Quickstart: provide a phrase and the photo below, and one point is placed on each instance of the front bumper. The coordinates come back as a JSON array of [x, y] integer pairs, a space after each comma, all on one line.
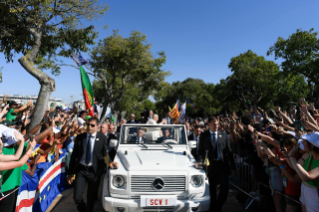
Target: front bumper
[[111, 204]]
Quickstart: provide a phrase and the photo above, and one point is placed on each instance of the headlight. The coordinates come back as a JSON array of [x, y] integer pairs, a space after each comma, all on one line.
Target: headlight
[[197, 181], [118, 181]]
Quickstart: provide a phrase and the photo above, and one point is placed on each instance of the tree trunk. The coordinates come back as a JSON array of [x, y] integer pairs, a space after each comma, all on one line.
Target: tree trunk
[[115, 115], [317, 93], [310, 91], [103, 112], [123, 114], [47, 87]]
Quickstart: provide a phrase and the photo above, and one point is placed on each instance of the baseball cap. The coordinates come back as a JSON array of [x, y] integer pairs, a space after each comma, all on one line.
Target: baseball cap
[[8, 137], [313, 138]]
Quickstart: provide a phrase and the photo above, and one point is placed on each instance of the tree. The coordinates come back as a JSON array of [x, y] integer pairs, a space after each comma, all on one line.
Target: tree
[[300, 54], [125, 64], [252, 78], [1, 68], [196, 91], [40, 30]]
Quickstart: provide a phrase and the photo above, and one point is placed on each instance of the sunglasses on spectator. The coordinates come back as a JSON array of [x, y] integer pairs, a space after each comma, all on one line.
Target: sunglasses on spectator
[[91, 125]]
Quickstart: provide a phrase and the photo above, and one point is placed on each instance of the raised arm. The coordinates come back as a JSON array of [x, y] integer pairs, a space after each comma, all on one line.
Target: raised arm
[[303, 174], [17, 155], [14, 164], [4, 99], [284, 116], [292, 178], [23, 108], [4, 111]]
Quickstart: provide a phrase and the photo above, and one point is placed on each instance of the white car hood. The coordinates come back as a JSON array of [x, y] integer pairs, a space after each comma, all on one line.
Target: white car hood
[[154, 160]]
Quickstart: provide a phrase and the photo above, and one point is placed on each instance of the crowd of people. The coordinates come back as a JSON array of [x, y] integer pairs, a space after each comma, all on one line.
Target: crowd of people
[[281, 146]]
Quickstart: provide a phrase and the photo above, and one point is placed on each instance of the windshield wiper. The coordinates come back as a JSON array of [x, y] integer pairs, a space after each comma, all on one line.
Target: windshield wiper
[[144, 146], [167, 145]]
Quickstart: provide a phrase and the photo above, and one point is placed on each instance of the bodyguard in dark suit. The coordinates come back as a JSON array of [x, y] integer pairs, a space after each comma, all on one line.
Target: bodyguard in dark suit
[[87, 163], [168, 118], [111, 135], [195, 137], [215, 145]]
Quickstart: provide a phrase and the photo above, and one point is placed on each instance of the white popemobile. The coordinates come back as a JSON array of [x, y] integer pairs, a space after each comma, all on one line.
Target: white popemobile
[[154, 173]]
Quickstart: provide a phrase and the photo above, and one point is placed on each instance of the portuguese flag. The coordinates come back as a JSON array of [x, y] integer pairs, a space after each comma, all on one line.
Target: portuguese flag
[[87, 92]]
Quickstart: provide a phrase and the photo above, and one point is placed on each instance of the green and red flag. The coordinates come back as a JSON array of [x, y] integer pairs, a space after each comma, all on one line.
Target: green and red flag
[[86, 84], [87, 92]]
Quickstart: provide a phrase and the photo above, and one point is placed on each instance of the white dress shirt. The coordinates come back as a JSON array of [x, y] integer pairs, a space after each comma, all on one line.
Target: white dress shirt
[[196, 138], [92, 148], [216, 140]]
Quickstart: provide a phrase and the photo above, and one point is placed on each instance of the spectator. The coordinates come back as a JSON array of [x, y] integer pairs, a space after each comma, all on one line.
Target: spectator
[[132, 119], [12, 170], [150, 115], [82, 118], [104, 129], [168, 118], [308, 170], [14, 110], [195, 137]]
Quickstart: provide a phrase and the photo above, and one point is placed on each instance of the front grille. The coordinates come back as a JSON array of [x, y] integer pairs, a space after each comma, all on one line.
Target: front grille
[[158, 209], [145, 183]]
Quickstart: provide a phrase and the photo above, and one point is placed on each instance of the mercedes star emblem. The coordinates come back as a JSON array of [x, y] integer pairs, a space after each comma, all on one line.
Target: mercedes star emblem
[[158, 184]]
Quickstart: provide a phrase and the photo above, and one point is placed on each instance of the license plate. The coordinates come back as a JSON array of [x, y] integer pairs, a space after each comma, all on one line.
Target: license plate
[[156, 201]]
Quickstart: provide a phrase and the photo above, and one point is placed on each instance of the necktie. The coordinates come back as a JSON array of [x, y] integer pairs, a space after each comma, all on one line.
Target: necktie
[[215, 154], [88, 156]]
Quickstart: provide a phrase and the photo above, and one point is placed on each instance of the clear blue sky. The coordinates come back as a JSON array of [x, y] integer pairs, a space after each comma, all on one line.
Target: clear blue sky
[[199, 37]]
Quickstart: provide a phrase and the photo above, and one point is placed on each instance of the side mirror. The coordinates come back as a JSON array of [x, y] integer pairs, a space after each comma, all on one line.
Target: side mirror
[[113, 143], [192, 144]]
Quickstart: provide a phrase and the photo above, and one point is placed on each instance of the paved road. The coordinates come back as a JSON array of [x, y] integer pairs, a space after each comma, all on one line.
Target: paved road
[[66, 203]]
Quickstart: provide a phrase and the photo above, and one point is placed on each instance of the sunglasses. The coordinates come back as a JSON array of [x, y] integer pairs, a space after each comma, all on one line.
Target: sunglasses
[[91, 125]]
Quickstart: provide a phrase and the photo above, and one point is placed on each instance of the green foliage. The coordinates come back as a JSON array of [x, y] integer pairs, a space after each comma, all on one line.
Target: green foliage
[[300, 55], [195, 91], [126, 70], [252, 77], [50, 24], [254, 82]]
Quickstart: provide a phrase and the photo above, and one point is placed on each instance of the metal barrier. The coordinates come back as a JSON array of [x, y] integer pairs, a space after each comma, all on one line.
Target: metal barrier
[[245, 175]]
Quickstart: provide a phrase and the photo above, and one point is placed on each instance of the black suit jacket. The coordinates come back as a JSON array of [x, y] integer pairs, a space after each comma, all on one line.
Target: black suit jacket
[[99, 152], [130, 122], [193, 151], [225, 153], [111, 150]]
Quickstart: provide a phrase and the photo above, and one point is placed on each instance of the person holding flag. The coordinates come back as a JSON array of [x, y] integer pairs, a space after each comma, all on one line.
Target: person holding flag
[[86, 84], [214, 147]]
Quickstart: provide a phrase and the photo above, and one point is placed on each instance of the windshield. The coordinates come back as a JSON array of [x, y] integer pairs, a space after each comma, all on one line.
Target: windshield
[[153, 134]]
